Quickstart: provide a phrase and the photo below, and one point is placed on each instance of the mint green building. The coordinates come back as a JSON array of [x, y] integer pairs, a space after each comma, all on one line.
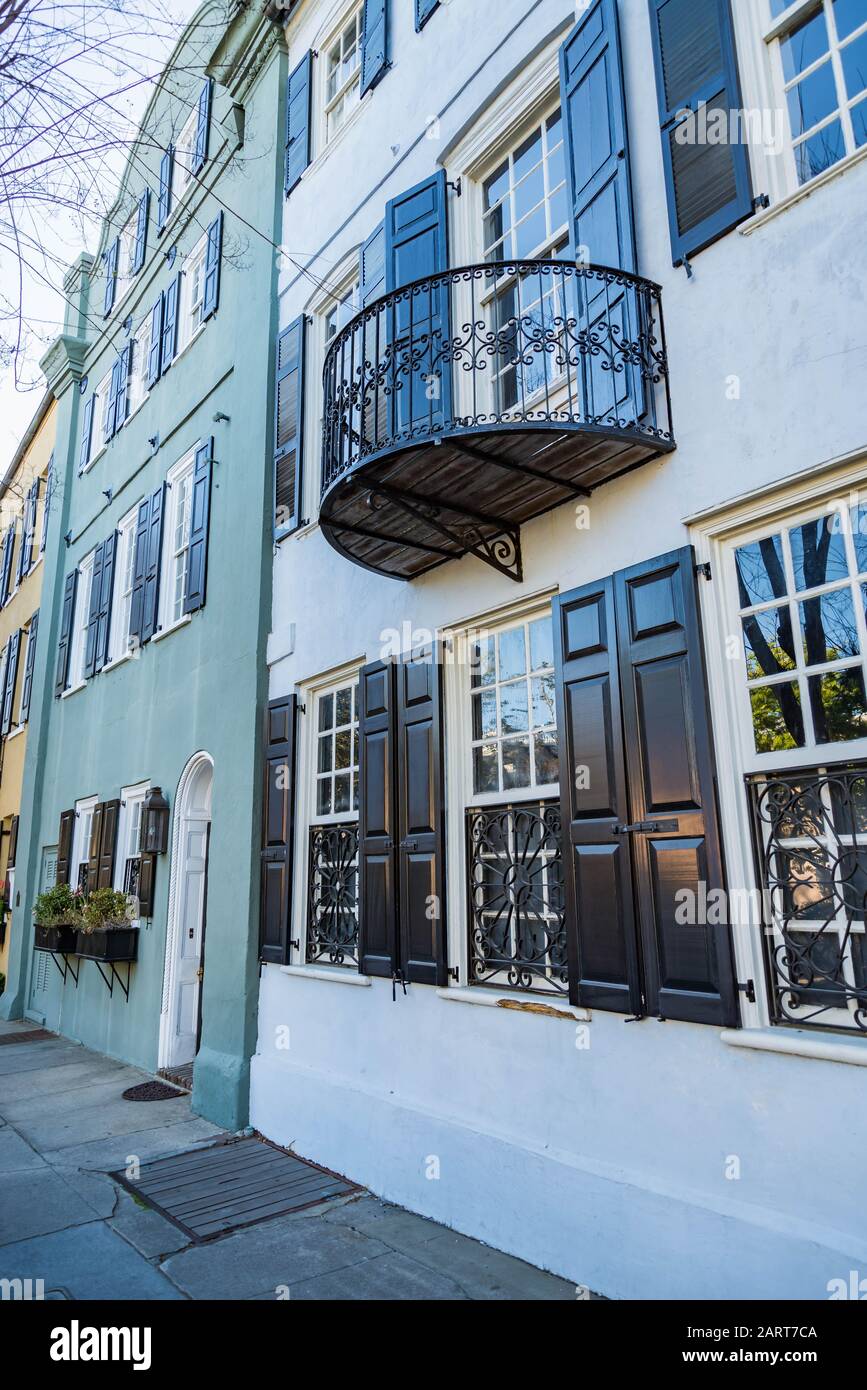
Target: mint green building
[[148, 684]]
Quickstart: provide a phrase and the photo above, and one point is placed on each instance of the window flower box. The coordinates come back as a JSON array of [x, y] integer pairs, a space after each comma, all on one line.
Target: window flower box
[[108, 944], [58, 937]]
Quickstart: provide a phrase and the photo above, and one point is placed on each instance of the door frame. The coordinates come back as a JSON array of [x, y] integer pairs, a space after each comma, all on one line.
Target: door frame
[[187, 784]]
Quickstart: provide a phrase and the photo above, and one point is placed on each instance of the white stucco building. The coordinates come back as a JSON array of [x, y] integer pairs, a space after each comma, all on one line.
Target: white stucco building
[[604, 779]]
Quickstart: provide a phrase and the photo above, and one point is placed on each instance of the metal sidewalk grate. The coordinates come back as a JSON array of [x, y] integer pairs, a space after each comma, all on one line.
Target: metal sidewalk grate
[[209, 1192]]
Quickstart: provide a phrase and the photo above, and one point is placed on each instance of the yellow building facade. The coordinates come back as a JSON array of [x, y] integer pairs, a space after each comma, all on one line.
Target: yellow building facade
[[25, 492]]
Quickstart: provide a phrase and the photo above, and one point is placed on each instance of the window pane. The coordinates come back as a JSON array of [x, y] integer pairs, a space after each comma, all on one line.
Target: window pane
[[482, 658], [485, 772], [530, 233], [547, 758], [768, 642], [324, 759], [859, 123], [496, 186], [529, 194], [839, 705], [516, 763], [528, 154], [849, 15], [326, 711], [342, 791], [484, 714], [760, 571], [804, 45], [513, 657], [777, 720], [854, 57], [342, 748], [514, 710], [818, 552], [819, 152], [323, 797], [812, 99], [542, 644], [828, 626], [858, 526], [544, 707], [343, 710]]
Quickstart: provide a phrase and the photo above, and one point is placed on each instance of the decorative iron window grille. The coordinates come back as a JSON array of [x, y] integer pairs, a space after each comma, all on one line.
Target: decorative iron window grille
[[131, 873], [82, 876], [332, 918], [517, 931], [811, 843]]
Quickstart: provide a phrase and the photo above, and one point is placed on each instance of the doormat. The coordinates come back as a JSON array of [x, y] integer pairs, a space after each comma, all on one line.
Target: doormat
[[35, 1035], [209, 1192], [152, 1090]]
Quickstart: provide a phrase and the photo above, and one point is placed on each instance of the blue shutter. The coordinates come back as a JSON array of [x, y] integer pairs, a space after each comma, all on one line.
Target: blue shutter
[[109, 259], [106, 590], [374, 47], [150, 600], [298, 123], [203, 125], [164, 201], [155, 347], [46, 506], [416, 246], [213, 253], [171, 300], [289, 427], [423, 11], [200, 511], [597, 151], [6, 580], [371, 267], [124, 372], [27, 685], [111, 412], [93, 613], [64, 645], [86, 434], [139, 569], [707, 184], [14, 649], [141, 232]]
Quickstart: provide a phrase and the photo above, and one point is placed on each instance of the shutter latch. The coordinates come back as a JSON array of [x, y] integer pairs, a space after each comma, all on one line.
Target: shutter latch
[[749, 989], [397, 978]]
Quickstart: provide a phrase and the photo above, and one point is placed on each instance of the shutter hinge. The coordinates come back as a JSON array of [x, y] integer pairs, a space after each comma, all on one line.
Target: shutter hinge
[[456, 185], [749, 989], [687, 267], [454, 974], [761, 201], [703, 568], [397, 979]]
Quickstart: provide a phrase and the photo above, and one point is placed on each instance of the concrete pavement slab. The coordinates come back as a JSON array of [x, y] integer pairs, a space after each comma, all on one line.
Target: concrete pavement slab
[[261, 1258], [32, 1203], [20, 1057], [61, 1122], [486, 1273], [16, 1155], [108, 1154], [74, 1075], [89, 1262], [393, 1277], [151, 1234], [394, 1226]]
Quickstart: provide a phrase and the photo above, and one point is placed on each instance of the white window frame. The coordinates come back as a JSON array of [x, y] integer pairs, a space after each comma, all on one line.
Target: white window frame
[[184, 156], [79, 625], [352, 14], [138, 386], [81, 837], [178, 474], [126, 255], [458, 768], [100, 405], [345, 277], [119, 646], [193, 283], [131, 803], [305, 804]]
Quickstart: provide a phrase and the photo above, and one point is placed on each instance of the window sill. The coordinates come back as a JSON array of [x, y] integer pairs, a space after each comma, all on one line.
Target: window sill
[[336, 975], [173, 627], [189, 343], [72, 690], [537, 1004], [331, 145], [768, 214], [92, 460], [798, 1043], [118, 661], [13, 733]]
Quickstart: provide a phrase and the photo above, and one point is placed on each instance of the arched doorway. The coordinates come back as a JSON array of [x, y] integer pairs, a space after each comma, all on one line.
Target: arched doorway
[[180, 1019]]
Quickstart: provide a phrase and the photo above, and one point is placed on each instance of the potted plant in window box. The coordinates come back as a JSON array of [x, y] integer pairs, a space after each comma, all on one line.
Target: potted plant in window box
[[57, 916], [106, 930]]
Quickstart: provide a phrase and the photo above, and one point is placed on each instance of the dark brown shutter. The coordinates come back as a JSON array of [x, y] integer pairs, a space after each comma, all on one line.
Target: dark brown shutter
[[94, 848], [64, 846], [421, 819], [13, 843], [107, 844], [278, 822], [670, 767], [147, 884], [603, 964], [377, 829]]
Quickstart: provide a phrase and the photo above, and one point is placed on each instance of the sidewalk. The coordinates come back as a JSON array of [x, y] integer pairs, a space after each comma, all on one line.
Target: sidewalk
[[64, 1126]]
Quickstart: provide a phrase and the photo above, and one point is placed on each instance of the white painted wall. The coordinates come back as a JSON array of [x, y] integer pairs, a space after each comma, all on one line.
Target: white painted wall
[[606, 1165]]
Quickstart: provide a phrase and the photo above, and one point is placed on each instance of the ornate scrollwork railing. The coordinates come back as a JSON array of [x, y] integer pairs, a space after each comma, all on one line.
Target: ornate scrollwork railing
[[811, 843], [332, 916], [517, 932], [518, 344]]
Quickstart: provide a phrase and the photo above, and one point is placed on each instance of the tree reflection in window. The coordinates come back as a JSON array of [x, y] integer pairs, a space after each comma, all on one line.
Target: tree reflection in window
[[802, 594]]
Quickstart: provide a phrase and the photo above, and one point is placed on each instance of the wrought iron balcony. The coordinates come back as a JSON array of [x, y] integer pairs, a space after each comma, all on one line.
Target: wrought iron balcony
[[469, 402]]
